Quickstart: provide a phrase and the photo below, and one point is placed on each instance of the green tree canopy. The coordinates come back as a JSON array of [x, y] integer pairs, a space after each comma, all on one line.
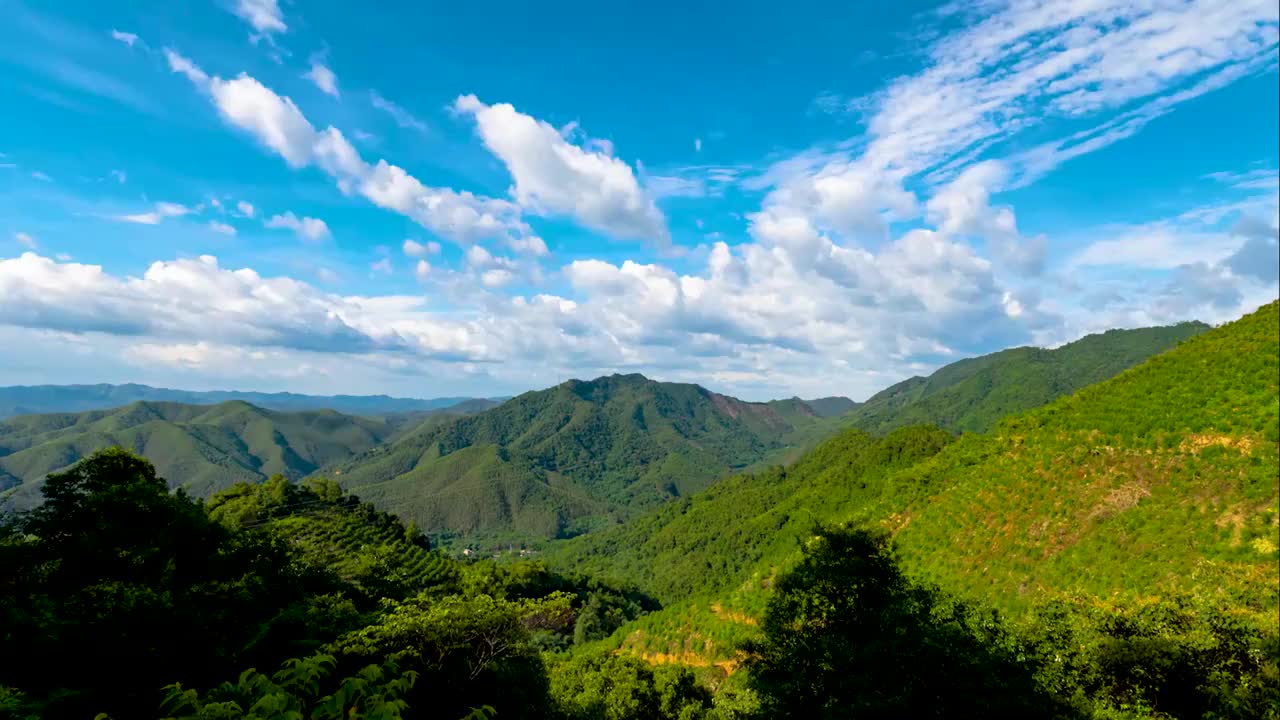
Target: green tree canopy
[[846, 634]]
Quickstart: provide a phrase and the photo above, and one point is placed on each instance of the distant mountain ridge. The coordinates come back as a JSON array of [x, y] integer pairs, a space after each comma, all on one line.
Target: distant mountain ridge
[[203, 448], [556, 462], [973, 394], [39, 399]]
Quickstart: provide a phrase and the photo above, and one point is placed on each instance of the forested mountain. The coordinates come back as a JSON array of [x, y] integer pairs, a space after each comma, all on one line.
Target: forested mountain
[[831, 406], [36, 399], [277, 600], [1112, 555], [1155, 494], [973, 394], [559, 461], [203, 447]]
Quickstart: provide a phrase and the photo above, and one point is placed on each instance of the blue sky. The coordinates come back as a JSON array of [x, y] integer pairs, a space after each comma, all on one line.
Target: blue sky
[[440, 199]]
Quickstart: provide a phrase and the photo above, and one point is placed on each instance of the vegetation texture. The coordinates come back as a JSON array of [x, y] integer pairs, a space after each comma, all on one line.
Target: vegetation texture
[[973, 394], [1143, 509], [559, 462], [205, 447]]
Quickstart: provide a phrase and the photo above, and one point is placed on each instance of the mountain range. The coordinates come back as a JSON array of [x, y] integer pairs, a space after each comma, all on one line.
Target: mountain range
[[202, 448], [1158, 483], [561, 461], [1110, 552], [547, 464], [33, 399], [973, 394]]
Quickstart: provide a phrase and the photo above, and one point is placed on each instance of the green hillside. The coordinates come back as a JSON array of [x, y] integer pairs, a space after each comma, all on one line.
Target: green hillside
[[207, 447], [124, 599], [561, 461], [1161, 482], [973, 394], [831, 406]]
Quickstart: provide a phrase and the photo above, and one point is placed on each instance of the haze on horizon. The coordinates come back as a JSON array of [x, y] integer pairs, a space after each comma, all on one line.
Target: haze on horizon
[[310, 198]]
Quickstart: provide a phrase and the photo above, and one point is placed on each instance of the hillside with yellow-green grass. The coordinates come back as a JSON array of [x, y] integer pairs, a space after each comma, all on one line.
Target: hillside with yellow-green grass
[[1158, 484]]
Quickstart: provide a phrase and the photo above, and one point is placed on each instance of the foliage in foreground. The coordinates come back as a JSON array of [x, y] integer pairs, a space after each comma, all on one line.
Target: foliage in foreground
[[847, 635], [120, 588]]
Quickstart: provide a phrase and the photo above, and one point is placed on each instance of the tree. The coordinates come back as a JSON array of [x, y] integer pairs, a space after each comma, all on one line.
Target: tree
[[114, 587], [846, 635], [301, 690], [469, 650], [603, 686]]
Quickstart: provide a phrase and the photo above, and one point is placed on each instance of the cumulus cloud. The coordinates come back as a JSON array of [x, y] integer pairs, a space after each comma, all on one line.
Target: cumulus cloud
[[263, 16], [963, 207], [413, 248], [553, 176], [25, 240], [307, 228], [277, 123], [1259, 256], [422, 270], [194, 300], [245, 209], [323, 78]]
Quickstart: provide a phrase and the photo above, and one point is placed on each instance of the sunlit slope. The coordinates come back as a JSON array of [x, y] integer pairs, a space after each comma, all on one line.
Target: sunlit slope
[[705, 544], [972, 395], [1161, 479]]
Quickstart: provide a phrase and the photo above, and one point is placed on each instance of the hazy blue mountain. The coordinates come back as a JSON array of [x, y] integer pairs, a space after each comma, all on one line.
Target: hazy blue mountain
[[33, 399]]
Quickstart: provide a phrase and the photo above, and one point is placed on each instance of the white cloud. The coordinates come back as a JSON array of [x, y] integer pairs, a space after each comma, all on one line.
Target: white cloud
[[307, 228], [1158, 246], [278, 124], [264, 16], [221, 228], [184, 66], [245, 209], [42, 177], [554, 177], [1016, 65], [963, 208], [1259, 179], [529, 245], [422, 270], [697, 144], [25, 240], [191, 299], [119, 176], [1258, 257], [274, 120], [323, 78], [402, 117], [413, 248], [159, 212], [124, 37], [382, 266]]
